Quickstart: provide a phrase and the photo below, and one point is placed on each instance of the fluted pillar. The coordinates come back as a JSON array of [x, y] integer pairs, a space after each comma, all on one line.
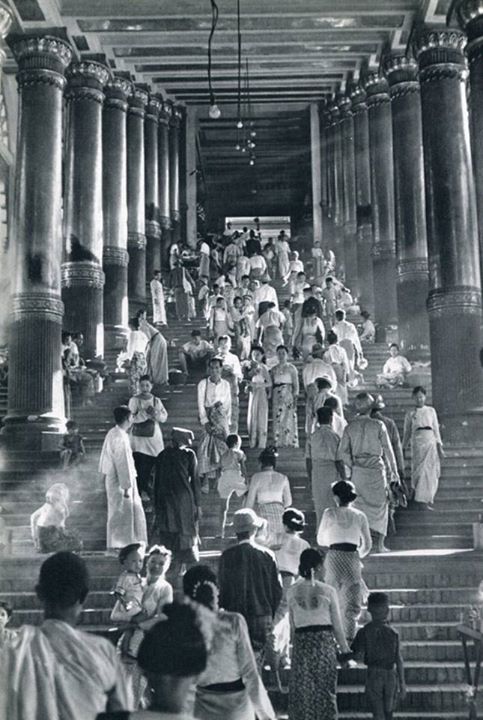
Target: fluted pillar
[[454, 303], [174, 162], [151, 183], [136, 222], [349, 219], [114, 166], [363, 198], [163, 184], [411, 240], [82, 274], [382, 194], [35, 388], [470, 16]]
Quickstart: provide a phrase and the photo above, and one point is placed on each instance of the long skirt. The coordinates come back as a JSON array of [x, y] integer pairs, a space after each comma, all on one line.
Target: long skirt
[[211, 705], [343, 573], [137, 368], [283, 263], [54, 539], [279, 647], [182, 306], [159, 310], [257, 417], [272, 512], [324, 473], [372, 498], [425, 465], [126, 522], [285, 424], [204, 265], [313, 679], [157, 360]]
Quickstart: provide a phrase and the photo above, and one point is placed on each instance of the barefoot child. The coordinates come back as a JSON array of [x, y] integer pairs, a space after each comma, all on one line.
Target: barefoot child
[[378, 644], [72, 450], [47, 524], [232, 477]]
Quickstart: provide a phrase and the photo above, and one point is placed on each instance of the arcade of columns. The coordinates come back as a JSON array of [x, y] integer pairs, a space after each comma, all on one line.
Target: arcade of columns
[[109, 152], [397, 195]]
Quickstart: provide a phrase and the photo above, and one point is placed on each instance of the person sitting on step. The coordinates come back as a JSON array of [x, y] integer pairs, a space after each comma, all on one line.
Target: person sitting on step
[[72, 450], [395, 370], [195, 355]]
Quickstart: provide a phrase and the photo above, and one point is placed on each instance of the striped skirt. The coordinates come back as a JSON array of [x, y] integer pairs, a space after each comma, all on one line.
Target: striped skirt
[[343, 573], [313, 678], [272, 513]]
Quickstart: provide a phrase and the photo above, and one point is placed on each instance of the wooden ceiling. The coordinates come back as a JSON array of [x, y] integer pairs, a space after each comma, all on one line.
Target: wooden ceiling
[[299, 51]]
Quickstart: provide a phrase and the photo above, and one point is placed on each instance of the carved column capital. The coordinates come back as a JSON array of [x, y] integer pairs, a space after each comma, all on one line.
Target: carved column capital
[[345, 107], [176, 116], [86, 81], [41, 59], [117, 91], [470, 18], [358, 98], [153, 108], [441, 55], [137, 101], [82, 274], [165, 112], [377, 90]]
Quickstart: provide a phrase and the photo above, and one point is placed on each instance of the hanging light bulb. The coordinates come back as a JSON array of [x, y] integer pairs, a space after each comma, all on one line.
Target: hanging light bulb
[[253, 133], [252, 161], [237, 146], [214, 112], [244, 149], [239, 124]]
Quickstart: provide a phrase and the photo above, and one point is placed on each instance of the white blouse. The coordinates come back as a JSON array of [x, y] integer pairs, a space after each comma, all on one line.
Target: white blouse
[[345, 525], [269, 486], [137, 342]]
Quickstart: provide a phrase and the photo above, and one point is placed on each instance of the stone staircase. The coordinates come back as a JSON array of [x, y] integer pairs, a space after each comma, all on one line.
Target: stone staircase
[[431, 573]]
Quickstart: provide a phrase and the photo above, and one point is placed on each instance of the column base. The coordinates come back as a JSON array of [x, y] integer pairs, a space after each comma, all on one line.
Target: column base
[[115, 337], [385, 298], [84, 314], [32, 433], [455, 336], [136, 276], [412, 294]]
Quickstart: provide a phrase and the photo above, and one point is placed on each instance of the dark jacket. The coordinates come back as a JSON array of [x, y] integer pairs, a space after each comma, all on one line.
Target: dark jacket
[[249, 580]]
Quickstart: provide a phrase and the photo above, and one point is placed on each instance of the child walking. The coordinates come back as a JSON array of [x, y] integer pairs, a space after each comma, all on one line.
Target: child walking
[[378, 644], [232, 477], [72, 450]]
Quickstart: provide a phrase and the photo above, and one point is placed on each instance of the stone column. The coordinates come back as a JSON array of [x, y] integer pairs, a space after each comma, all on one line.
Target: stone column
[[382, 193], [136, 222], [363, 198], [35, 387], [338, 199], [82, 274], [454, 303], [151, 181], [316, 172], [349, 193], [411, 241], [191, 177], [470, 16], [114, 166], [163, 169], [174, 132]]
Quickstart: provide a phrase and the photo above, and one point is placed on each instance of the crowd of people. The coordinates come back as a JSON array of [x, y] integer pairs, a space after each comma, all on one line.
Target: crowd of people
[[276, 603]]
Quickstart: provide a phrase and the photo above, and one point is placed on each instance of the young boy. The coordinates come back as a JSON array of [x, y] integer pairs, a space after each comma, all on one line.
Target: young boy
[[129, 587], [378, 645], [72, 450]]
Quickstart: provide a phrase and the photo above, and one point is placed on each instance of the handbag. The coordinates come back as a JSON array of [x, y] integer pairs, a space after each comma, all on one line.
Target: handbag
[[145, 428]]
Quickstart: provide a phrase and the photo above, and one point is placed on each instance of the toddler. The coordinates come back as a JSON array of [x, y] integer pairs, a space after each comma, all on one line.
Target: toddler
[[7, 636], [129, 587], [232, 476], [47, 524], [72, 449], [378, 644]]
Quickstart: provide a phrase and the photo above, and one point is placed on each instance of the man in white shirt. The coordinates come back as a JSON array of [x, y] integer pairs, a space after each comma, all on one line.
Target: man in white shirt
[[232, 372], [195, 354], [258, 265], [213, 390], [157, 297], [317, 367], [214, 409], [265, 293], [346, 330]]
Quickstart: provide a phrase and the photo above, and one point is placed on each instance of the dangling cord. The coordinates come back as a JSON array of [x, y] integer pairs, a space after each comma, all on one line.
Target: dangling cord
[[214, 20], [312, 577]]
